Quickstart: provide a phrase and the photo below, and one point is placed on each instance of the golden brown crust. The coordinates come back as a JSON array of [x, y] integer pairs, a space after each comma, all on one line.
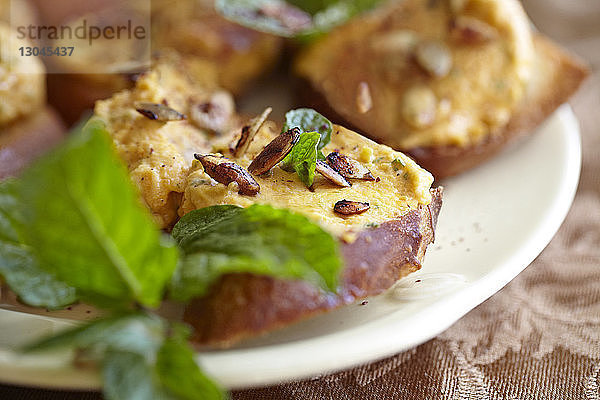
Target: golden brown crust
[[27, 139], [243, 305], [559, 75]]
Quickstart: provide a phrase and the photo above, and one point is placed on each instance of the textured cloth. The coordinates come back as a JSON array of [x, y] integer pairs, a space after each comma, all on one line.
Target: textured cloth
[[539, 337]]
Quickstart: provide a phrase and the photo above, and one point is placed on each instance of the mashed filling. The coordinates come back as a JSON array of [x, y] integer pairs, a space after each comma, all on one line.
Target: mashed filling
[[158, 154], [401, 185]]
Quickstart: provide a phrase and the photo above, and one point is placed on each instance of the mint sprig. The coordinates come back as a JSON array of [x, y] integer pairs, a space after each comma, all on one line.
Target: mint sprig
[[308, 120], [73, 227], [316, 134], [18, 264], [303, 157], [142, 357], [260, 240], [88, 228]]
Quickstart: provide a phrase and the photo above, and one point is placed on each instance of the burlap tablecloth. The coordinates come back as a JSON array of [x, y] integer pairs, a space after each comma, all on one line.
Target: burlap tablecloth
[[539, 337]]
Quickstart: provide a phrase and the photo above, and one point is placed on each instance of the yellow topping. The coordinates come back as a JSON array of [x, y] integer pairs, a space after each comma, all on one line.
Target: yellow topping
[[396, 192]]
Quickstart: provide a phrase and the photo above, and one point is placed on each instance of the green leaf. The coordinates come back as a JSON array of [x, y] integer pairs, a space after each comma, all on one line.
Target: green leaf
[[308, 120], [130, 376], [138, 362], [260, 239], [316, 16], [134, 333], [18, 265], [303, 157], [175, 360], [84, 219]]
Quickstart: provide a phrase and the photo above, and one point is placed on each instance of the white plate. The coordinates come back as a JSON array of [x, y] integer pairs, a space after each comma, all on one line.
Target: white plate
[[495, 220]]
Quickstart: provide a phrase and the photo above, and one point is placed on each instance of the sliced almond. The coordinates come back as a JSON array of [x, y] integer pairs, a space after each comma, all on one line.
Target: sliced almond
[[249, 131], [364, 102], [331, 174], [274, 152], [434, 57], [214, 114], [225, 171], [419, 106], [471, 30], [159, 112], [348, 167], [347, 207]]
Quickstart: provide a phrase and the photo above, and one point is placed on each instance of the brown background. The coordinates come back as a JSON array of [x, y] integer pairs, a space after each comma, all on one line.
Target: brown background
[[539, 337]]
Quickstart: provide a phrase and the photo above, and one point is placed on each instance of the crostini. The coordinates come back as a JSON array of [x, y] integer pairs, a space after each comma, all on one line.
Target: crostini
[[449, 82]]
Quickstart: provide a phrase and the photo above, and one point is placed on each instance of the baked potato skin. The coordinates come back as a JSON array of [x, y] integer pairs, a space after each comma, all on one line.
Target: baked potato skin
[[244, 305], [559, 75]]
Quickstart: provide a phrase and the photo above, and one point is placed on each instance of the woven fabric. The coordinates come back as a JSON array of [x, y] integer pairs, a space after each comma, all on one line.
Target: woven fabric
[[539, 337]]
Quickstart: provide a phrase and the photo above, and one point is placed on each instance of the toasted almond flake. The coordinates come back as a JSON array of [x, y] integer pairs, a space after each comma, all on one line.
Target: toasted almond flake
[[419, 106], [347, 207], [332, 175], [159, 112], [434, 57], [226, 171], [348, 167], [215, 113], [274, 152], [364, 102], [249, 131]]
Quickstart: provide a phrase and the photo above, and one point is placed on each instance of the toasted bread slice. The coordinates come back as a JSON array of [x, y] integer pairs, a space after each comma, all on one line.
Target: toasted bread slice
[[450, 83], [558, 76], [232, 56], [241, 305], [381, 241], [379, 246]]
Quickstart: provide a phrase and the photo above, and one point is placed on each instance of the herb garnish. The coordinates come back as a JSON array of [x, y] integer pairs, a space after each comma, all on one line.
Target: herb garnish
[[398, 164], [73, 227], [316, 134], [259, 239]]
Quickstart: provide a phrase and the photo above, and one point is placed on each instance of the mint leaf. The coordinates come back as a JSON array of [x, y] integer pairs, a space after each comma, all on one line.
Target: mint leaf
[[125, 346], [18, 265], [260, 239], [84, 219], [136, 333], [308, 120], [303, 157], [294, 18], [130, 376], [138, 361], [176, 360]]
